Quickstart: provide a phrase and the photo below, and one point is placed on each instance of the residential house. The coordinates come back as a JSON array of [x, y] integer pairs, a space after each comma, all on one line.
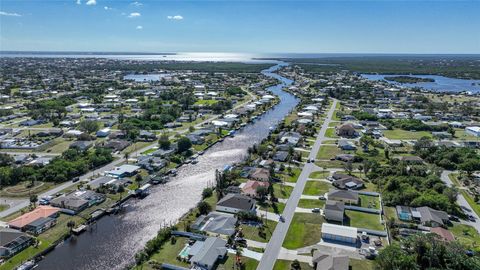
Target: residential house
[[345, 196], [42, 212], [346, 130], [281, 156], [234, 203], [147, 136], [445, 235], [345, 181], [334, 211], [339, 234], [82, 145], [125, 170], [12, 242], [40, 225], [205, 254], [260, 174], [430, 217], [324, 261], [346, 145], [250, 188], [474, 131], [216, 224]]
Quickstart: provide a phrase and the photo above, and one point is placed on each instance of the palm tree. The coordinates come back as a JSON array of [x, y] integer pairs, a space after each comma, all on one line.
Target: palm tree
[[33, 199], [126, 156], [71, 225]]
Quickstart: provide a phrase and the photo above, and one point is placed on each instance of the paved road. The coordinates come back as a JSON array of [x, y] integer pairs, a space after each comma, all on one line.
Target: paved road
[[273, 247], [462, 202], [22, 203]]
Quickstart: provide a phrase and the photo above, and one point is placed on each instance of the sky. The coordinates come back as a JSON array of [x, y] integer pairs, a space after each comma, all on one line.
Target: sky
[[369, 26]]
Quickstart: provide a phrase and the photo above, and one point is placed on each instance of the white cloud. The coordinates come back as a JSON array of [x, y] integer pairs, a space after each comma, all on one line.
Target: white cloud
[[139, 27], [107, 8], [134, 15], [3, 13], [176, 17], [137, 4], [91, 2], [79, 2]]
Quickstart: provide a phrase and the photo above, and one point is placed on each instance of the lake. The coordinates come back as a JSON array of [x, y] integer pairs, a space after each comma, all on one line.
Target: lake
[[441, 84]]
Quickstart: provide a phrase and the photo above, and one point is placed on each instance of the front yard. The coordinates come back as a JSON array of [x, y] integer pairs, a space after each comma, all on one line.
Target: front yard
[[305, 230]]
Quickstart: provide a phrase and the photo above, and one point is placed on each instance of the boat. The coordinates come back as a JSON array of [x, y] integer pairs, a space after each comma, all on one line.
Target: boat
[[194, 161], [271, 128], [27, 265], [231, 133]]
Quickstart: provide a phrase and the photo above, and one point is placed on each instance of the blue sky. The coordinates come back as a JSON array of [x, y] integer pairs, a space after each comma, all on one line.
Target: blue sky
[[241, 26]]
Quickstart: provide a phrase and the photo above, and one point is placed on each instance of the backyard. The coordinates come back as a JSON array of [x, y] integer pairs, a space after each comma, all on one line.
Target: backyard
[[363, 220]]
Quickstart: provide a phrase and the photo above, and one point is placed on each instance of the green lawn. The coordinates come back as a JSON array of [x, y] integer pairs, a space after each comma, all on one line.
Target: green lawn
[[390, 212], [285, 176], [284, 265], [466, 235], [356, 264], [307, 203], [276, 208], [253, 233], [330, 133], [4, 207], [168, 252], [229, 263], [462, 135], [316, 188], [400, 134], [305, 230], [24, 255], [333, 164], [475, 206], [319, 174], [369, 201], [282, 191], [454, 178], [363, 220], [328, 151]]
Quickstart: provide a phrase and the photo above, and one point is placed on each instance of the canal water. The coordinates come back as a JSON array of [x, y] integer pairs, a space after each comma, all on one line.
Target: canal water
[[114, 240]]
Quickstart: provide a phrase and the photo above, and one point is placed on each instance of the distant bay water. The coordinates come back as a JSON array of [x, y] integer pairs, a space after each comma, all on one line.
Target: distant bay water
[[441, 83]]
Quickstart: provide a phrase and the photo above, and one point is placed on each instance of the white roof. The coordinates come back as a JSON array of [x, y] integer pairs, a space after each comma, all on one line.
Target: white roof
[[476, 129], [219, 123], [268, 97], [231, 115], [304, 114], [345, 231]]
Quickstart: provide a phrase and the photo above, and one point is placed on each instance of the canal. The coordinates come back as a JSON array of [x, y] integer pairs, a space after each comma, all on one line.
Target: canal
[[114, 240]]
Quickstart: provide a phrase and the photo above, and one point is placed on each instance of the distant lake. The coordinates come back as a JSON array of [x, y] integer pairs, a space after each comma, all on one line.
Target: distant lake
[[145, 77], [441, 84]]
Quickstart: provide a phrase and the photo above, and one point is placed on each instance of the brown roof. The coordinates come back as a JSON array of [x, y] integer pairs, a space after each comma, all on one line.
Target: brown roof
[[445, 235], [251, 186], [39, 212]]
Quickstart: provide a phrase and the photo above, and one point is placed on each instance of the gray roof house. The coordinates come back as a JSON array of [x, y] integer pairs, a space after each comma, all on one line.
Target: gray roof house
[[323, 261], [12, 242], [234, 203], [206, 253], [345, 196], [431, 217], [216, 223], [334, 210], [345, 181]]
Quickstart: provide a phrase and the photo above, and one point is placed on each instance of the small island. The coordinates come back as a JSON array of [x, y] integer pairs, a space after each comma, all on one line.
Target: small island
[[408, 79]]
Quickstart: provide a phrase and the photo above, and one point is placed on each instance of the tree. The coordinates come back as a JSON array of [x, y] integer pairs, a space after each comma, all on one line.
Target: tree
[[126, 155], [184, 144], [394, 257], [262, 193], [469, 166], [71, 225], [203, 208], [207, 192], [164, 142], [33, 199], [89, 126]]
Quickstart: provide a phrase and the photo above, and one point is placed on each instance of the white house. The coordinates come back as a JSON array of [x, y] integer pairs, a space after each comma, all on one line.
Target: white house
[[474, 131]]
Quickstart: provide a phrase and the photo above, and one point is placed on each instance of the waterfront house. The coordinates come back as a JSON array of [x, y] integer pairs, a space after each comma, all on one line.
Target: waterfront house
[[216, 224], [41, 212], [250, 188], [260, 174], [12, 242], [205, 254], [40, 225], [235, 203]]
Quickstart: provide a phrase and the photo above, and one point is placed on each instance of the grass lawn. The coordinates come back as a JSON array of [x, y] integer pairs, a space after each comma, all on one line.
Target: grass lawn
[[333, 164], [168, 252], [319, 174], [284, 264], [356, 264], [462, 135], [282, 191], [330, 133], [4, 207], [328, 151], [285, 176], [305, 230], [60, 229], [363, 220], [316, 188], [335, 116], [229, 263], [466, 235], [369, 201], [276, 208], [307, 203], [390, 212], [149, 151], [400, 134], [475, 206], [252, 233], [24, 255], [454, 178], [21, 189]]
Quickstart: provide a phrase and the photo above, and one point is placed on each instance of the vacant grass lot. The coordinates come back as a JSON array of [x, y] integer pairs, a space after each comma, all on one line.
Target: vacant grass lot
[[282, 191], [284, 264], [319, 174], [330, 133], [328, 151], [307, 203], [466, 235], [363, 220], [272, 207], [293, 177], [305, 230], [316, 188], [400, 134], [252, 233], [356, 264]]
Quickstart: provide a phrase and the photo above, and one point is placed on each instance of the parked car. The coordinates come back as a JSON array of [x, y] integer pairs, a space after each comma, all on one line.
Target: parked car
[[316, 210], [75, 179], [321, 197]]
